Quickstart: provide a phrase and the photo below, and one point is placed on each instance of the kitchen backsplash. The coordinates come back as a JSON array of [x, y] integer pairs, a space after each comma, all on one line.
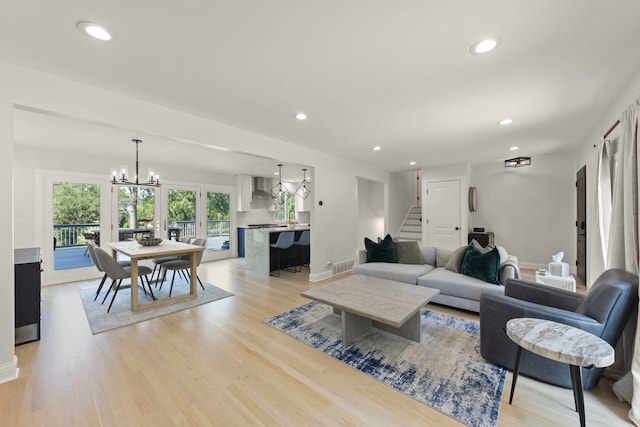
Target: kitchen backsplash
[[255, 216], [263, 216]]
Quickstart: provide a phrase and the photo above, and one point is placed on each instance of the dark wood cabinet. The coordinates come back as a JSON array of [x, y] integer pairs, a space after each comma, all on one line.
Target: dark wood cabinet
[[27, 263]]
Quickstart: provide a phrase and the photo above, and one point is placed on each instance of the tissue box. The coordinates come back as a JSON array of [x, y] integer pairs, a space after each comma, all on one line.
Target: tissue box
[[559, 269]]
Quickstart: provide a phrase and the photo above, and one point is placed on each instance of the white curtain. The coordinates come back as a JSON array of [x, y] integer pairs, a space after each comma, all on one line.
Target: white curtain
[[622, 245]]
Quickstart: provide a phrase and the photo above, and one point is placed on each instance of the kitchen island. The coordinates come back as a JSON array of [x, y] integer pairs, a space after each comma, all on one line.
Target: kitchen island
[[259, 256]]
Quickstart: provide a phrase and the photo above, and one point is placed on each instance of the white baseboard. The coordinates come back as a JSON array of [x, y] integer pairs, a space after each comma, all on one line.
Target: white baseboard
[[9, 371], [317, 277]]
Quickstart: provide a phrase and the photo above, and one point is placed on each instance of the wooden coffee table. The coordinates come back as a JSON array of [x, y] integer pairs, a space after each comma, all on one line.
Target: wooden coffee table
[[365, 302]]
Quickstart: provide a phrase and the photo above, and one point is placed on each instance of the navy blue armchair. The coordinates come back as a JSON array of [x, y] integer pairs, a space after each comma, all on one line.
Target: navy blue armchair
[[603, 311]]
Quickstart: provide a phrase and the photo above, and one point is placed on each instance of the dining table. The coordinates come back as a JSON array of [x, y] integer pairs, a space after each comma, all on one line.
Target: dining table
[[137, 252]]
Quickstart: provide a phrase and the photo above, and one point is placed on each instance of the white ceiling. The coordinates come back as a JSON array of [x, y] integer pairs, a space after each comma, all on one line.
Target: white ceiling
[[367, 72]]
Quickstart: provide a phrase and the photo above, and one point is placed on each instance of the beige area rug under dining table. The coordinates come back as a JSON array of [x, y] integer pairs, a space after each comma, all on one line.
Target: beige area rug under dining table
[[121, 314]]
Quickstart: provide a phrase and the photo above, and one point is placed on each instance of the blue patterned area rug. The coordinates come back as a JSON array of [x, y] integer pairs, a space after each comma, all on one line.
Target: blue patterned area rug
[[445, 371]]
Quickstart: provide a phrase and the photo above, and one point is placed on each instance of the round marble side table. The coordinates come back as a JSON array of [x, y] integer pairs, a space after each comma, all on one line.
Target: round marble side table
[[562, 343]]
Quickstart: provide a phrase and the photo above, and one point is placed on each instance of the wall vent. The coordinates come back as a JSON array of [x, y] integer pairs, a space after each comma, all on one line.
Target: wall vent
[[342, 266]]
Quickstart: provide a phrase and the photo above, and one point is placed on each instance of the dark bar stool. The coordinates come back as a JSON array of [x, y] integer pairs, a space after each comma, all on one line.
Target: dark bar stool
[[303, 245], [284, 242]]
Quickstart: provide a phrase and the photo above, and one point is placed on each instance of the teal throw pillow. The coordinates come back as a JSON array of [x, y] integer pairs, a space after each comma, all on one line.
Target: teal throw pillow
[[385, 251], [455, 259], [409, 253], [481, 266]]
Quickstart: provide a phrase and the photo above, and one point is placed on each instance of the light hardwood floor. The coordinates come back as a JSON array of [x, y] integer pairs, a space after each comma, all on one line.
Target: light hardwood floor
[[219, 364]]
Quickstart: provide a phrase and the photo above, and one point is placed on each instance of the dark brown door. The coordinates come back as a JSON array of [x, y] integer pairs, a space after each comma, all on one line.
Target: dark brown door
[[581, 223]]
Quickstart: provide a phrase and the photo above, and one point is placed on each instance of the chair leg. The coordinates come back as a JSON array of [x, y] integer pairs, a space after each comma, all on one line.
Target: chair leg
[[172, 278], [108, 290], [149, 285], [114, 294], [199, 281], [154, 271], [104, 278], [164, 276]]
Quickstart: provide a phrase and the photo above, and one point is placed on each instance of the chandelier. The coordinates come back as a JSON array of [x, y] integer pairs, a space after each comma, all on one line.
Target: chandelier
[[279, 192], [303, 190], [121, 176]]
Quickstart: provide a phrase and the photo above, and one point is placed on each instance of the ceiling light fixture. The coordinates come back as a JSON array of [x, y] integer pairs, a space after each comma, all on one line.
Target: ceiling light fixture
[[94, 30], [514, 148], [412, 163], [303, 191], [505, 122], [300, 116], [483, 46], [279, 192], [376, 148], [121, 176], [517, 162]]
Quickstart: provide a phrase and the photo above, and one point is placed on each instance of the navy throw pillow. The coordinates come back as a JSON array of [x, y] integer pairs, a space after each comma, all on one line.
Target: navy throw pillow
[[485, 267], [385, 251]]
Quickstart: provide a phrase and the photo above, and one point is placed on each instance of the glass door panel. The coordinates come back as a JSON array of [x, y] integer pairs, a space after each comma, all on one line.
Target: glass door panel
[[218, 221], [76, 219], [181, 208], [136, 212]]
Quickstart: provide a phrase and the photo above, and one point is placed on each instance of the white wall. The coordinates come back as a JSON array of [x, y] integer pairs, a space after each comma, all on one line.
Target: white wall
[[334, 180], [400, 199], [8, 360], [370, 211], [587, 156], [531, 210]]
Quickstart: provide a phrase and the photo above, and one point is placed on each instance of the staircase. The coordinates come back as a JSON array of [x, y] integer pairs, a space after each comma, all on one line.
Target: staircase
[[411, 227]]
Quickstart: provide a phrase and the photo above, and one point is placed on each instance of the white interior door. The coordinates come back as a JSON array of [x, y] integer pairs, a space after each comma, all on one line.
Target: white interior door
[[443, 214]]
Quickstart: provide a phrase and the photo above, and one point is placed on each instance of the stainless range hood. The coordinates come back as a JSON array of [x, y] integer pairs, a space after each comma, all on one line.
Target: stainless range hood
[[261, 188]]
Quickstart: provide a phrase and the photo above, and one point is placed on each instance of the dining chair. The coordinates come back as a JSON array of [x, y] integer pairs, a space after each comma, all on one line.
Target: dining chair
[[88, 237], [116, 273], [90, 247], [159, 261], [183, 264]]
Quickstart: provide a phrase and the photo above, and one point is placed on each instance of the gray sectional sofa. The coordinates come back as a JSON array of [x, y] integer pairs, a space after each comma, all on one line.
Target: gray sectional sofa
[[456, 289]]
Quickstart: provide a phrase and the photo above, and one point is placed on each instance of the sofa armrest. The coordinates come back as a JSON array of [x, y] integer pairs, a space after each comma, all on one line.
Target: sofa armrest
[[503, 308], [361, 256], [507, 272], [542, 294]]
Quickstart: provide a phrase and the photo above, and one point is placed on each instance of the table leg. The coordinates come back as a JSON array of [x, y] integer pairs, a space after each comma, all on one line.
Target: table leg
[[516, 369], [134, 284], [353, 326], [193, 281], [578, 397]]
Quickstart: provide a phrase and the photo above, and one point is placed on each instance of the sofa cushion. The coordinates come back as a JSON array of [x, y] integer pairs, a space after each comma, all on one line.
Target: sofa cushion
[[428, 254], [442, 256], [481, 266], [409, 253], [455, 260], [385, 251], [406, 273], [458, 285]]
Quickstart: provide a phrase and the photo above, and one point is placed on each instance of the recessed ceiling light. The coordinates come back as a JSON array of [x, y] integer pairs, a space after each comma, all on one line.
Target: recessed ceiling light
[[505, 122], [412, 163], [514, 148], [377, 148], [94, 30], [483, 46], [276, 173], [300, 116]]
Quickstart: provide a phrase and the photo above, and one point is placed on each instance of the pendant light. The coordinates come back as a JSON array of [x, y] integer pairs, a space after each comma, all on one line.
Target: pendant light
[[279, 192], [303, 190], [121, 176]]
